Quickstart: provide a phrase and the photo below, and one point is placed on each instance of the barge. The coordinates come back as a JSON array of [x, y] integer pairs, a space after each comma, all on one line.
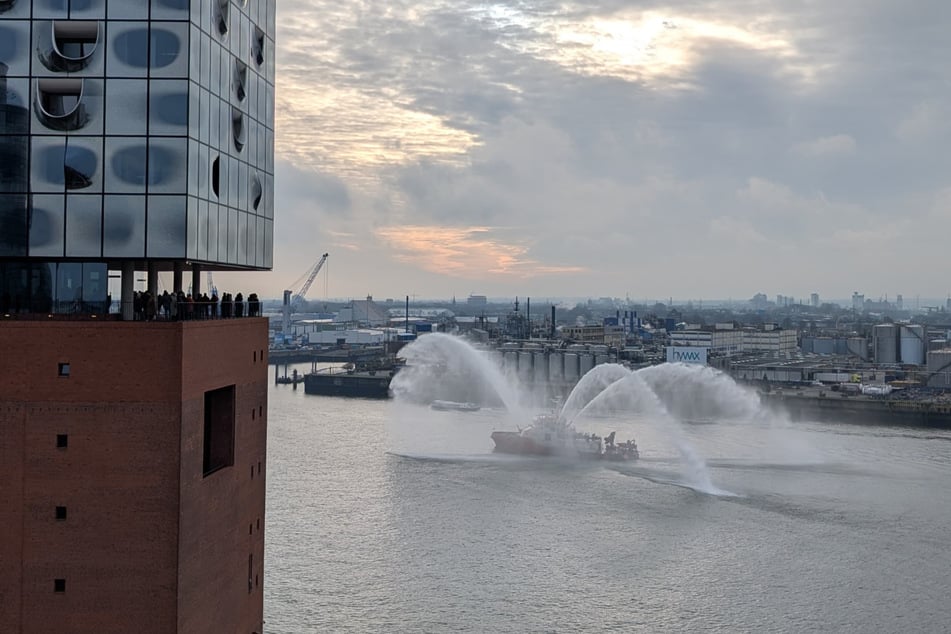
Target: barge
[[860, 408]]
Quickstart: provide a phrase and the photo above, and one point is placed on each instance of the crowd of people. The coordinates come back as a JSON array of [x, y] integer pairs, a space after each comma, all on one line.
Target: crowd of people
[[177, 306]]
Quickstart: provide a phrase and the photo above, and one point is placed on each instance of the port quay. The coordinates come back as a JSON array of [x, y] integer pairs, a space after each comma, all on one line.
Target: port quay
[[858, 366]]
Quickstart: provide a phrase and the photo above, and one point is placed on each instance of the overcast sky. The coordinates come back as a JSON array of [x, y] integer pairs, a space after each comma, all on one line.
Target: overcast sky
[[647, 149]]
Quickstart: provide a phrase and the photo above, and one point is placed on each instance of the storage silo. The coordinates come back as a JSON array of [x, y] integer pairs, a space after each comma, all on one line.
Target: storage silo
[[858, 347], [585, 363], [939, 368], [571, 367], [885, 343], [525, 365], [840, 345], [540, 363], [806, 344], [912, 344], [823, 345], [510, 361], [556, 370]]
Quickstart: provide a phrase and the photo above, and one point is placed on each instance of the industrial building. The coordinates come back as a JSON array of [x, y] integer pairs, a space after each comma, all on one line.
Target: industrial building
[[726, 339], [136, 137]]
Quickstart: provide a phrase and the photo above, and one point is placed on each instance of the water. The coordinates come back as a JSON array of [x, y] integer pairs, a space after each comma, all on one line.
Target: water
[[386, 516]]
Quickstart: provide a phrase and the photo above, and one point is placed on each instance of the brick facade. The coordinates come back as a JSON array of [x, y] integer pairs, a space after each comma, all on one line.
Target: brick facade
[[148, 543]]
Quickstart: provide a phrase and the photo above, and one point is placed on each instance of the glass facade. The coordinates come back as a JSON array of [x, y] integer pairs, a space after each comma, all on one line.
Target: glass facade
[[136, 130]]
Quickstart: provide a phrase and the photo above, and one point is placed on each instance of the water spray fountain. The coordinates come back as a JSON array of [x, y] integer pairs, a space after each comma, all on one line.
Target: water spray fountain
[[441, 366]]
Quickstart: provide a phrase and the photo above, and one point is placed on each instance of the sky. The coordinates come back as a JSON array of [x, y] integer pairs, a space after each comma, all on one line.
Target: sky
[[615, 148]]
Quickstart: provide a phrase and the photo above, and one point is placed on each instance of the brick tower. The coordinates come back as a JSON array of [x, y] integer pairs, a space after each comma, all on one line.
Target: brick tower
[[136, 138]]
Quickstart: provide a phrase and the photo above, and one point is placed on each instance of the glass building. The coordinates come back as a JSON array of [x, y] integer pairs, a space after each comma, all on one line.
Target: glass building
[[134, 135]]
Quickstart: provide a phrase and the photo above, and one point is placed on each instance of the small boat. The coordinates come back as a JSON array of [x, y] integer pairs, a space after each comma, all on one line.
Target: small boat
[[455, 406], [550, 436]]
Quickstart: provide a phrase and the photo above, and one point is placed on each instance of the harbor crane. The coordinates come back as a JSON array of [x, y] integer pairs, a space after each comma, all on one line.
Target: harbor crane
[[293, 301]]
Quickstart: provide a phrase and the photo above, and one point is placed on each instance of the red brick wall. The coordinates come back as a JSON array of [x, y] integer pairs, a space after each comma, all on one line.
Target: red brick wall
[[218, 510], [148, 544]]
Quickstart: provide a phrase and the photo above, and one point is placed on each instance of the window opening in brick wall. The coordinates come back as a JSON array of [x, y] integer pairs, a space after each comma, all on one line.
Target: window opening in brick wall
[[61, 512], [59, 585], [219, 430], [62, 441], [250, 572], [252, 413], [64, 369]]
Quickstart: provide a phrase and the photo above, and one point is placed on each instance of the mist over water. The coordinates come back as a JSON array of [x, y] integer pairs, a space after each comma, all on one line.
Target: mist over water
[[653, 405]]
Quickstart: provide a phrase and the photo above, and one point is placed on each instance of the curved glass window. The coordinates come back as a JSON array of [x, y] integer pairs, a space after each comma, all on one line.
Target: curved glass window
[[79, 166], [59, 103], [257, 46], [257, 191], [216, 176], [73, 43], [238, 130], [240, 79], [222, 15]]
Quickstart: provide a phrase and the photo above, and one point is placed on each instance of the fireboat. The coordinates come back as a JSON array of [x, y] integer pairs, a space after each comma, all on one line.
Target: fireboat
[[550, 436]]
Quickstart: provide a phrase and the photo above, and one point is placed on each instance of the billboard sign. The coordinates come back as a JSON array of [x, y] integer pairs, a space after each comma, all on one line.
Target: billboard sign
[[680, 354]]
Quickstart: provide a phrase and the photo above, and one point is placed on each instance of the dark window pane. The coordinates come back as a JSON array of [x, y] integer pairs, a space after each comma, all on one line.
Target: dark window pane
[[128, 165], [13, 224], [124, 226], [47, 224], [165, 48], [79, 166], [132, 47]]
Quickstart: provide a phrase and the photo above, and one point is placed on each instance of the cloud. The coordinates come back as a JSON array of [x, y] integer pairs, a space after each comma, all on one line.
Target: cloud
[[569, 148], [836, 145]]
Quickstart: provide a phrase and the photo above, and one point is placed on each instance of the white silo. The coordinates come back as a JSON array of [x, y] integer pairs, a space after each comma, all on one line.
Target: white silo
[[912, 344], [585, 363], [556, 369]]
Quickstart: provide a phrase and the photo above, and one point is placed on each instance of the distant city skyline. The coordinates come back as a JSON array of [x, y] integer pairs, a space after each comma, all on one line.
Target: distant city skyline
[[649, 148]]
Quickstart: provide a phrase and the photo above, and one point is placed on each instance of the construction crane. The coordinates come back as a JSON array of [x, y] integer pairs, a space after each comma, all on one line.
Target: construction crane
[[293, 301]]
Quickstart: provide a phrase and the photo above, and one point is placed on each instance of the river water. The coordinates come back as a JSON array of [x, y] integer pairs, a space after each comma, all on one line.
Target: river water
[[384, 516]]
